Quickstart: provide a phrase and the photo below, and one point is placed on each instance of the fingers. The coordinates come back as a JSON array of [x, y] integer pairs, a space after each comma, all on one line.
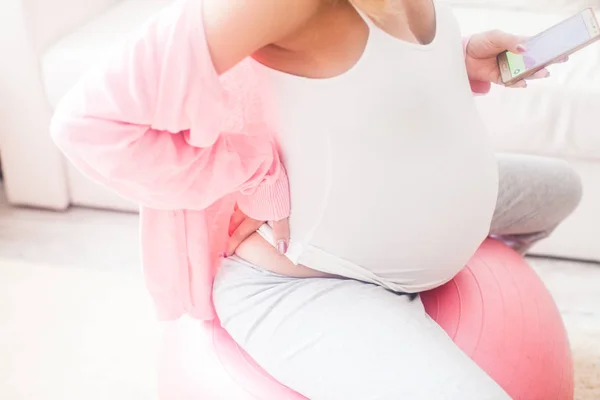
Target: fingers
[[236, 219], [519, 85], [541, 74], [501, 41], [281, 235], [241, 227], [246, 228], [522, 39], [544, 73]]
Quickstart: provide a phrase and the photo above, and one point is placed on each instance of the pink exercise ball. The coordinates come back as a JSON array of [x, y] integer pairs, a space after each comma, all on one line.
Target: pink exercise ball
[[496, 309]]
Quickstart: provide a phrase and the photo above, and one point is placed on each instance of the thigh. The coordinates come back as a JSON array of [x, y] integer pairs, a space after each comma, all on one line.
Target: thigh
[[334, 339], [535, 194]]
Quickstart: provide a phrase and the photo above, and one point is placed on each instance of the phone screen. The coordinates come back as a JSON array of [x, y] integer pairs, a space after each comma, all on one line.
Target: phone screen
[[550, 44]]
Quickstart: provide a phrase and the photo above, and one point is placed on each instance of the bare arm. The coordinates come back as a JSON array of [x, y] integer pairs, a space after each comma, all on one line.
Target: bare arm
[[237, 28]]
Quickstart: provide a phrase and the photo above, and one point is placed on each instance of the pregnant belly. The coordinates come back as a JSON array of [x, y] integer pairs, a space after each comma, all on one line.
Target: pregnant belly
[[257, 251]]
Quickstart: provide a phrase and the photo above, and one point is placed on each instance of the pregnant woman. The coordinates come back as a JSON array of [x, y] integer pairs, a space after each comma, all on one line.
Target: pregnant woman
[[393, 182]]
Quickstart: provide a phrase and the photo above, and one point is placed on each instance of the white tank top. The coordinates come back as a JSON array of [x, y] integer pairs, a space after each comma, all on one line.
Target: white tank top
[[392, 178]]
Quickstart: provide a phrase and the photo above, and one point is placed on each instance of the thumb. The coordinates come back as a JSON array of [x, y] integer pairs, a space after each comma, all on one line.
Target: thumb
[[246, 228], [281, 235], [500, 41]]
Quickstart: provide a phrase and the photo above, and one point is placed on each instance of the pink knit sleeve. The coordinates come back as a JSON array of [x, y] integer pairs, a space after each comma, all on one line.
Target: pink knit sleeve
[[477, 87], [266, 202], [148, 125]]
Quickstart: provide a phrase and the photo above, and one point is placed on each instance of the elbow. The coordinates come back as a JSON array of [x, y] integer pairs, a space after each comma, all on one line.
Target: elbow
[[71, 128], [68, 125], [77, 139]]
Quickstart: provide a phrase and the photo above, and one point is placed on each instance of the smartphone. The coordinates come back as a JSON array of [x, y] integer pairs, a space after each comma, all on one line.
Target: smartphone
[[549, 46]]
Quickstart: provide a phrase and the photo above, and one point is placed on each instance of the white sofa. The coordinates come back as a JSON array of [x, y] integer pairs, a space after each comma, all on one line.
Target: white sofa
[[52, 42]]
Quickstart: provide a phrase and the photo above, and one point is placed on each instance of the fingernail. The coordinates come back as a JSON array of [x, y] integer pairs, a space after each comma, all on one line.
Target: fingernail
[[282, 246], [521, 48]]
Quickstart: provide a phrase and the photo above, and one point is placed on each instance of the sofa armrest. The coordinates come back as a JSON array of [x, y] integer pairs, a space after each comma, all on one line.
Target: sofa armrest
[[33, 167]]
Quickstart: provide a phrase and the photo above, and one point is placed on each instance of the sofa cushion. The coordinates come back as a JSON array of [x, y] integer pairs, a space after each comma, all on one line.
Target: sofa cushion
[[558, 116], [65, 62]]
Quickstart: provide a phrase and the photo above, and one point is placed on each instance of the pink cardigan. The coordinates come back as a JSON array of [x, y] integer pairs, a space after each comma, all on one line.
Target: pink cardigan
[[159, 126]]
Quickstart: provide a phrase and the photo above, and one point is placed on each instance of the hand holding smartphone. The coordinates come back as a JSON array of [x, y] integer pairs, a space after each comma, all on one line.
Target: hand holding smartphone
[[549, 46]]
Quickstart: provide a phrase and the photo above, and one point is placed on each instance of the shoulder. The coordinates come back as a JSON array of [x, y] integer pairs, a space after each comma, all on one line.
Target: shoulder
[[237, 28]]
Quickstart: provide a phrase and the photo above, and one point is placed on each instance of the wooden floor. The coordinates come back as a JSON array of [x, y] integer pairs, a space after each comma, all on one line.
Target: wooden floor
[[79, 237]]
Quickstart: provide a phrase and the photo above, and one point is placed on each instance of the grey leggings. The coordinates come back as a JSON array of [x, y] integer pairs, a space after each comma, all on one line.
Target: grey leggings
[[333, 339]]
